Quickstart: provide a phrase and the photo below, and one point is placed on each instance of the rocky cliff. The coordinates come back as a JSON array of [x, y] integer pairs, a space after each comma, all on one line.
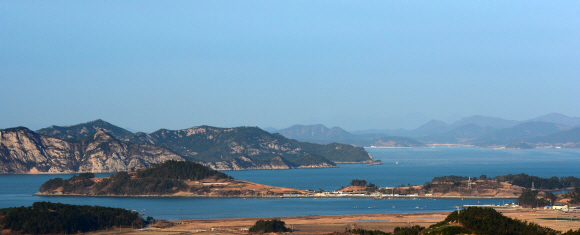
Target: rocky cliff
[[24, 151], [275, 163]]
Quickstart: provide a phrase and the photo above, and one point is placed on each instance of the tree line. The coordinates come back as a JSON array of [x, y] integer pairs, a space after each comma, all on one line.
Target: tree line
[[55, 218], [553, 182], [522, 180]]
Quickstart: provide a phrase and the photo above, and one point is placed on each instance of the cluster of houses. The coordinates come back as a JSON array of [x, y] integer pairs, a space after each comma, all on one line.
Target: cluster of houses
[[349, 194]]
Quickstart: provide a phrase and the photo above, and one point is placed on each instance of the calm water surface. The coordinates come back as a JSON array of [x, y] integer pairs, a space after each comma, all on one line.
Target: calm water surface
[[415, 166]]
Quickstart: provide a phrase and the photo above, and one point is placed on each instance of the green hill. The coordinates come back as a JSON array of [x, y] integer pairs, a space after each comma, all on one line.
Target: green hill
[[489, 221], [160, 179], [85, 129], [212, 144]]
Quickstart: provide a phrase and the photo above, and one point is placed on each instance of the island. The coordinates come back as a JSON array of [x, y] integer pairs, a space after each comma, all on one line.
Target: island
[[167, 179]]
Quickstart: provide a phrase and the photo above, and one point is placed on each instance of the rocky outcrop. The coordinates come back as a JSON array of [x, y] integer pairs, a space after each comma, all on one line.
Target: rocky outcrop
[[320, 165], [24, 151], [276, 163], [244, 163]]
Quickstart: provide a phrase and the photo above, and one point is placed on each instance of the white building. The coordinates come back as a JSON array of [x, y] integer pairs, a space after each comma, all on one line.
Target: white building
[[560, 207]]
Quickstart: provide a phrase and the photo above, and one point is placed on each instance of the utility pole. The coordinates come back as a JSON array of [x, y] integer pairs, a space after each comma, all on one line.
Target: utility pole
[[469, 183]]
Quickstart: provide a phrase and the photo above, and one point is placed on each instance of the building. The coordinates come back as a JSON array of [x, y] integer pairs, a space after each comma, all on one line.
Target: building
[[560, 207]]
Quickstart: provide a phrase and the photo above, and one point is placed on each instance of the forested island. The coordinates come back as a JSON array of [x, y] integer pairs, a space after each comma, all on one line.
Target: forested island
[[171, 178]]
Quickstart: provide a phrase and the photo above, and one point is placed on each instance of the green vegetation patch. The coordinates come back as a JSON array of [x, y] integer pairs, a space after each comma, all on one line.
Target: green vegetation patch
[[447, 230], [6, 210], [180, 170], [489, 221], [530, 199], [55, 218], [554, 182], [269, 226]]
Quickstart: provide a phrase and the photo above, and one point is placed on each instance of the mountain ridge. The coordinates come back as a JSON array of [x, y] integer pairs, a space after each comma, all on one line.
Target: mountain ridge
[[24, 151], [223, 148], [321, 134]]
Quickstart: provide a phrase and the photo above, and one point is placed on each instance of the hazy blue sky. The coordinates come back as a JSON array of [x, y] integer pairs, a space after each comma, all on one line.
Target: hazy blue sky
[[147, 65]]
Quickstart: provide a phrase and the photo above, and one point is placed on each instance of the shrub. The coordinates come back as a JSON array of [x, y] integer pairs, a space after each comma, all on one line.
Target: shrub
[[269, 226]]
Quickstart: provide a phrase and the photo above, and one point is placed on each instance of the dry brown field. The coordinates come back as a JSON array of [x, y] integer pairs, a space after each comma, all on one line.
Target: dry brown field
[[332, 223]]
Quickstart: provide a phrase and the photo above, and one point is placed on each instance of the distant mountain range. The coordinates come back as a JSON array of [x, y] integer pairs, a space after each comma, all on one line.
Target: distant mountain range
[[322, 135], [519, 133], [475, 130]]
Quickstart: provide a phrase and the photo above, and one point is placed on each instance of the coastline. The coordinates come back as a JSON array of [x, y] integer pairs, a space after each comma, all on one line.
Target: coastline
[[279, 197]]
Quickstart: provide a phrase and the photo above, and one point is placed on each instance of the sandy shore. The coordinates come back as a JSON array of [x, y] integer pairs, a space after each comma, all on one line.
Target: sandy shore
[[331, 223]]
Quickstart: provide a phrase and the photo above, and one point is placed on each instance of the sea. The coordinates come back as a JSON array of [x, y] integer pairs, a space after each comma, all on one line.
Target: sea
[[406, 166]]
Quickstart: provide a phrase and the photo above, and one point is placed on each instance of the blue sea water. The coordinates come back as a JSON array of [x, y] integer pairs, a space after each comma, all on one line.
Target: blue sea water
[[419, 165], [415, 166]]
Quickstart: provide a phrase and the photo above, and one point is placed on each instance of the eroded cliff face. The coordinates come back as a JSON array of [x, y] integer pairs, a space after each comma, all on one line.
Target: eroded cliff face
[[24, 151]]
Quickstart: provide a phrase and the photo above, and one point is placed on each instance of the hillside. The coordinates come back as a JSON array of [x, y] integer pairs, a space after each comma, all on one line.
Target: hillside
[[170, 178], [567, 139], [485, 121], [475, 220], [24, 151], [558, 119], [316, 133], [320, 134], [85, 129], [519, 133], [213, 144], [462, 134], [241, 148]]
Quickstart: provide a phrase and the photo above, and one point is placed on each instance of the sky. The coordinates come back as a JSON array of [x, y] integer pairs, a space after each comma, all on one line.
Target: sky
[[146, 65]]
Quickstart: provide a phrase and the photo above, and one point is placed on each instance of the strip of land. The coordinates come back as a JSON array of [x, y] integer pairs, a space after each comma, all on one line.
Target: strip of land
[[332, 223]]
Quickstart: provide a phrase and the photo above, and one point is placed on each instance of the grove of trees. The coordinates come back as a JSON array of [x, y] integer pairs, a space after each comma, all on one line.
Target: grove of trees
[[58, 218]]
